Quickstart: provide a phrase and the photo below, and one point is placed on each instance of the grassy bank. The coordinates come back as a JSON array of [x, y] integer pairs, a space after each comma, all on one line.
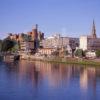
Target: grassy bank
[[71, 61], [79, 62]]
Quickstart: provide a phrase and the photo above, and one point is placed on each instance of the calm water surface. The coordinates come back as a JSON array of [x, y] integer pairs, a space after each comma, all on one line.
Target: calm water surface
[[45, 81]]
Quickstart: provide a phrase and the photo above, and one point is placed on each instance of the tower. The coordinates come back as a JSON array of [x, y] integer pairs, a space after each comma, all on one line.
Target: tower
[[94, 30], [35, 32]]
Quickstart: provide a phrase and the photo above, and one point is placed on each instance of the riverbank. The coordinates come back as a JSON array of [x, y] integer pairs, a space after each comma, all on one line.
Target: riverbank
[[92, 62], [9, 58], [86, 62], [79, 61]]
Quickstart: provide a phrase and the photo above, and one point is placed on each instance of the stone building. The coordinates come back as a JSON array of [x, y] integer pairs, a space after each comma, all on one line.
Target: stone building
[[46, 51], [58, 42], [90, 42], [27, 46]]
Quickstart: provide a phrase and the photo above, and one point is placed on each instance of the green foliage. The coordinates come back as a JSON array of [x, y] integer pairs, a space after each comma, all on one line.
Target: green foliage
[[0, 45], [79, 53], [7, 45], [98, 53], [25, 37], [65, 52], [15, 48]]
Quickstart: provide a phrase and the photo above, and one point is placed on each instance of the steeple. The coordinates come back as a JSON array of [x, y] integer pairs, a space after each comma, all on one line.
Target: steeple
[[94, 30]]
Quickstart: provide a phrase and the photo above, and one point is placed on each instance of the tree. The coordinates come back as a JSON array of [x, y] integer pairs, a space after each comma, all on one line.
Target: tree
[[7, 45], [79, 53], [65, 52], [15, 48], [98, 53], [25, 37], [0, 45]]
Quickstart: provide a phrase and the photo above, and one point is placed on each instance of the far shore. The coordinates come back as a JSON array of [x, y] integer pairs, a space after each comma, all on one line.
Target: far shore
[[81, 61], [67, 60]]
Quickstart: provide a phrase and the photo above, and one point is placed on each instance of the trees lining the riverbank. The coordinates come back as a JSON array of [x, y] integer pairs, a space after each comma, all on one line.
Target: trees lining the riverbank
[[8, 45]]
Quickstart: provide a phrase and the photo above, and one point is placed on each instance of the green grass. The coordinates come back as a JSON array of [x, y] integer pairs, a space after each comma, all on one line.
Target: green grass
[[92, 63], [69, 61]]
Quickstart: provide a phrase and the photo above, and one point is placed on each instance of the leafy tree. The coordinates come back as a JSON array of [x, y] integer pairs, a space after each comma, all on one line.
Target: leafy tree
[[0, 45], [65, 52], [15, 48], [98, 53], [79, 53], [25, 37], [7, 44]]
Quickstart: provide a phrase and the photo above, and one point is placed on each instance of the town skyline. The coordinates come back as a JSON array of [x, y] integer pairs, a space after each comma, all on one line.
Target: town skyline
[[53, 16]]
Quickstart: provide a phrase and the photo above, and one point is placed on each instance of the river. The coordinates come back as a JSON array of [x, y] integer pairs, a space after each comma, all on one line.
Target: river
[[27, 80]]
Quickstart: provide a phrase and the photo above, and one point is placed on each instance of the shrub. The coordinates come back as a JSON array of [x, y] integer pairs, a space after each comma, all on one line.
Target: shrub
[[79, 53], [98, 53]]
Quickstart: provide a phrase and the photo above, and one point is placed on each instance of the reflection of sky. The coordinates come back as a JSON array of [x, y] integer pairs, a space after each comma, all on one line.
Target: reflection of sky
[[58, 81]]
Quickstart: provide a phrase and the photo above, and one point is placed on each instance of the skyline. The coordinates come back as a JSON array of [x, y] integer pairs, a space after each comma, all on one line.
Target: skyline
[[53, 16]]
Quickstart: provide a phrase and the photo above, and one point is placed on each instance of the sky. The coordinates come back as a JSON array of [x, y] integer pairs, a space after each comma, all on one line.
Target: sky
[[67, 17]]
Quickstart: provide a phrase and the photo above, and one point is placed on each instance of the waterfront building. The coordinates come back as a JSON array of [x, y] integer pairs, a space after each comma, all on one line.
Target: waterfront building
[[90, 42], [13, 36], [28, 41], [90, 54], [46, 51], [35, 34], [40, 36], [57, 41], [27, 46]]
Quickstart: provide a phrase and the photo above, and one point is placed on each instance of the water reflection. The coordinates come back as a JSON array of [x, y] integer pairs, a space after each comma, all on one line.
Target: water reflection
[[72, 78], [56, 74]]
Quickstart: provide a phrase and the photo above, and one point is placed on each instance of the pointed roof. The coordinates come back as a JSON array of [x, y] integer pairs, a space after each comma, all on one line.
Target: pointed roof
[[94, 30]]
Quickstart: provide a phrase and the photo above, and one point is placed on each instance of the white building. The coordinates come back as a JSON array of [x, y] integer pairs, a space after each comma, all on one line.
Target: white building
[[83, 42], [91, 54]]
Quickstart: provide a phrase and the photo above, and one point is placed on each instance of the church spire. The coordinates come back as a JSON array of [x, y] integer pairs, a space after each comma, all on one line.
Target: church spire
[[94, 30]]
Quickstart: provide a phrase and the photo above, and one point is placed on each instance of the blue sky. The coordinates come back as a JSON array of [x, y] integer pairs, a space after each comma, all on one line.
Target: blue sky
[[68, 17]]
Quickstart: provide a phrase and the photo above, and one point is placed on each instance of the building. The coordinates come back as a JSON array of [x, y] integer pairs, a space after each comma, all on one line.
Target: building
[[27, 46], [90, 54], [90, 42], [28, 41], [57, 41], [35, 34], [46, 51], [13, 36]]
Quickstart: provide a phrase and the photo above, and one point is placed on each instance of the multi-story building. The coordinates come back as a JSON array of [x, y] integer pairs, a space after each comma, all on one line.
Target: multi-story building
[[28, 41], [35, 34], [13, 36], [58, 42], [90, 42], [46, 51], [27, 46]]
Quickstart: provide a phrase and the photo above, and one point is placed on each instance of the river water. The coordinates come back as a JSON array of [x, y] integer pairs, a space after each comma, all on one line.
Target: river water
[[27, 80]]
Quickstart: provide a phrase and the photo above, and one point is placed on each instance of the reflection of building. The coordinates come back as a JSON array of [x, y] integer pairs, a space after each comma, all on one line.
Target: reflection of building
[[90, 42], [84, 79], [54, 73], [57, 75], [87, 77]]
